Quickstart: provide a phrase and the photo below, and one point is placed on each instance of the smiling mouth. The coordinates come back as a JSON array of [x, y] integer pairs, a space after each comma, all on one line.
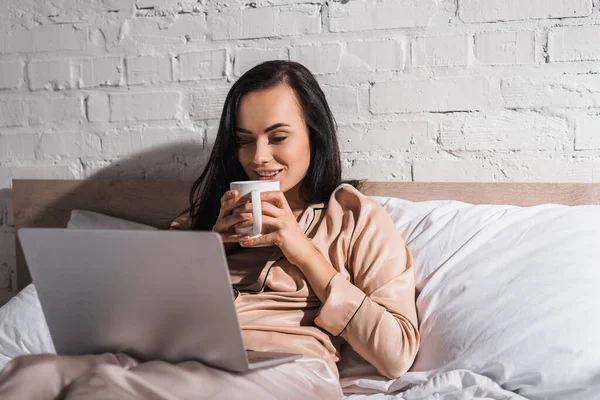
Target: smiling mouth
[[268, 175]]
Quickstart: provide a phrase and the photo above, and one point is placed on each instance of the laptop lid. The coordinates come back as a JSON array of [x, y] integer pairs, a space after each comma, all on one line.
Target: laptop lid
[[152, 294]]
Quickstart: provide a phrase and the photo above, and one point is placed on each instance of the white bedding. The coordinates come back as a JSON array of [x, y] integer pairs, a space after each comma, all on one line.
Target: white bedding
[[507, 303], [23, 330]]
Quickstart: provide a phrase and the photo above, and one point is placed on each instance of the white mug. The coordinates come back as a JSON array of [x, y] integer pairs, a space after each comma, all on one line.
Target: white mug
[[254, 189]]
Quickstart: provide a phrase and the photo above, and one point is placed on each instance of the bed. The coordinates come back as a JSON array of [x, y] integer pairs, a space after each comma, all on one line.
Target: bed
[[507, 277]]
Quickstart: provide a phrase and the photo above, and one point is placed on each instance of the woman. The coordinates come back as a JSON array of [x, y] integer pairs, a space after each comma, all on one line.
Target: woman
[[331, 267]]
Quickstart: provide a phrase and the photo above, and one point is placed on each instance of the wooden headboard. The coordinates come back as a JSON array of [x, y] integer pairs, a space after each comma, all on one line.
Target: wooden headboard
[[48, 203]]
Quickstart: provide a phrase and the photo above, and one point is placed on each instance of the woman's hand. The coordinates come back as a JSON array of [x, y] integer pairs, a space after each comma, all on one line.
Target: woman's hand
[[280, 227], [226, 221]]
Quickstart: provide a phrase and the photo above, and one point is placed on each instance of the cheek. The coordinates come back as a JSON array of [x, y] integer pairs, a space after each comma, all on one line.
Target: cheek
[[242, 157]]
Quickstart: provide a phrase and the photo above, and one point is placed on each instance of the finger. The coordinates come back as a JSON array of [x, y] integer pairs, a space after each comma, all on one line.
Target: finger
[[244, 199], [275, 197], [272, 223], [231, 237], [246, 223], [244, 208], [271, 210], [268, 211], [226, 223], [228, 195], [227, 200], [268, 239], [269, 224]]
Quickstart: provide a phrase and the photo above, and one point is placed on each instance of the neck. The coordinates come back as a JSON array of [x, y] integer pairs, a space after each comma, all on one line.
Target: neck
[[293, 198]]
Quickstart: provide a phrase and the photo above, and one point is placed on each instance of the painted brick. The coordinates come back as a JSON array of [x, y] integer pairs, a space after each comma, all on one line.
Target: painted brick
[[343, 100], [166, 171], [183, 29], [245, 24], [322, 59], [62, 170], [381, 55], [436, 51], [5, 177], [43, 110], [101, 71], [247, 58], [505, 48], [444, 94], [304, 19], [144, 106], [173, 136], [364, 15], [565, 91], [11, 75], [67, 144], [574, 43], [425, 170], [51, 75], [124, 142], [210, 134], [149, 69], [55, 170], [207, 103], [42, 39], [156, 3], [12, 113], [69, 11], [391, 169], [587, 133], [121, 142], [536, 169], [18, 146], [504, 131], [101, 169], [383, 137], [97, 107], [202, 65], [510, 10]]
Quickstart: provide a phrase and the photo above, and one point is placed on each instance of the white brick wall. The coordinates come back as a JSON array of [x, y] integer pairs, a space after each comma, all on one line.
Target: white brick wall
[[574, 43], [424, 90], [441, 51], [505, 48]]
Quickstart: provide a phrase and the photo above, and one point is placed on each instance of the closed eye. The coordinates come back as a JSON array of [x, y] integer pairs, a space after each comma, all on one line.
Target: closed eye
[[278, 139], [243, 142]]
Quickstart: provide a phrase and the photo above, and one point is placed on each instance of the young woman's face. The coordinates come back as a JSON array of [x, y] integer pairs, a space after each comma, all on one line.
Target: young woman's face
[[273, 139]]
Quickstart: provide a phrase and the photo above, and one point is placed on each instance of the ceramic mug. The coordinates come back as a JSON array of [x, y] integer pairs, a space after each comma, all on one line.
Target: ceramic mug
[[254, 189]]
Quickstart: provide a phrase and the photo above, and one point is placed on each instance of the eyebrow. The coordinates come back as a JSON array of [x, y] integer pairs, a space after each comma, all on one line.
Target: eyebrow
[[269, 129]]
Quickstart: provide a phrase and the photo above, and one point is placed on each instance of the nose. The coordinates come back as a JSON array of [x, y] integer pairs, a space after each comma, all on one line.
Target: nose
[[262, 153]]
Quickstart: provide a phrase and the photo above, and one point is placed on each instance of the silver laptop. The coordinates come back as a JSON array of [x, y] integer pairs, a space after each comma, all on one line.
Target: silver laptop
[[152, 294]]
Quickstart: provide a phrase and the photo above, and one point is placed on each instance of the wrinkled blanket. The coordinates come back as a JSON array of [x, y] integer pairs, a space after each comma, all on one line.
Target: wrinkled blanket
[[451, 385]]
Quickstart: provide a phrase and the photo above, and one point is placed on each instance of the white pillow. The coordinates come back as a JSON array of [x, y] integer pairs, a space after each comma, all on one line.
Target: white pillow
[[81, 219], [23, 328], [512, 293]]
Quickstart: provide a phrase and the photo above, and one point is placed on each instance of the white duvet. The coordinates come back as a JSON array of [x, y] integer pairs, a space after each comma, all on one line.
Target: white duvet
[[508, 298], [23, 331]]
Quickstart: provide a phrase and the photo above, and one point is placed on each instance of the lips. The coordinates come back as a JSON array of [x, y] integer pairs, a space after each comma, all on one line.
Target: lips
[[266, 175]]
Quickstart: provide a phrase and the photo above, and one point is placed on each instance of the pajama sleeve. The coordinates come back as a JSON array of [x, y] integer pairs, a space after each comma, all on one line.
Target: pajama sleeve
[[373, 306]]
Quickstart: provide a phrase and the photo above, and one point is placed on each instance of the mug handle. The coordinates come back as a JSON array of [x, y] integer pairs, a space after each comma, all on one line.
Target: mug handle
[[256, 213]]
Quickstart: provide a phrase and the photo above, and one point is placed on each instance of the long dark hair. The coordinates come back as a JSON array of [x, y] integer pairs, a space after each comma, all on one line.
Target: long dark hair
[[324, 172]]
